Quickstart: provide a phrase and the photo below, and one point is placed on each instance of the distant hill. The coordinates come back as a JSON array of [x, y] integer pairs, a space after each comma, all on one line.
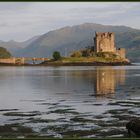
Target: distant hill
[[14, 46], [76, 37]]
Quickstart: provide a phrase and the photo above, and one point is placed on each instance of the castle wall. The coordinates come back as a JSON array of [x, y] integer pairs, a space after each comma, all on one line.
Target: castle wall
[[121, 52]]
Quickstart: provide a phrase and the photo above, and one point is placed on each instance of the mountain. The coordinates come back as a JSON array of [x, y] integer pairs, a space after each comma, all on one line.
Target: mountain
[[13, 47], [76, 37], [71, 38]]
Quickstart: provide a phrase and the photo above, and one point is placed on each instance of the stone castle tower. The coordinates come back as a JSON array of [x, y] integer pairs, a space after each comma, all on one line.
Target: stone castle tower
[[105, 42]]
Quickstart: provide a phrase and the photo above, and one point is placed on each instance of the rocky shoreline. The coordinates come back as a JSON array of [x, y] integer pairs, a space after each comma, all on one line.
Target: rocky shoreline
[[87, 64], [71, 64]]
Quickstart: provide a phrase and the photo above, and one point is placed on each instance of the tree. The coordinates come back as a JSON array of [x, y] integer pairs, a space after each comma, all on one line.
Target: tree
[[56, 55]]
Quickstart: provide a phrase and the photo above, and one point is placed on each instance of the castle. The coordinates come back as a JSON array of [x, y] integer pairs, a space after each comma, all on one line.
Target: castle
[[105, 42]]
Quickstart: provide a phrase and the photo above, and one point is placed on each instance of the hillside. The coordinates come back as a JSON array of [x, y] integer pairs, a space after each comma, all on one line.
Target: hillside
[[4, 53], [76, 37], [14, 46]]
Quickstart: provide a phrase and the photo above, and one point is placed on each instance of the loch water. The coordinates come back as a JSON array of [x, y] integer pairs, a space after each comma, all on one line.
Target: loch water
[[68, 101]]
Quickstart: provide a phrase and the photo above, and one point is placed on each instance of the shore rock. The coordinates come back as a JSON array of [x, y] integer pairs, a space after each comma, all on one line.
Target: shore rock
[[134, 127]]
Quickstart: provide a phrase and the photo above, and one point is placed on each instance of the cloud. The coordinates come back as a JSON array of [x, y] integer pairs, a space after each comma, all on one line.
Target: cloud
[[21, 20]]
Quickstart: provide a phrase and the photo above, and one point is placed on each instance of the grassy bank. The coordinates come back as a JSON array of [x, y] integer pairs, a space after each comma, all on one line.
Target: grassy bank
[[85, 61]]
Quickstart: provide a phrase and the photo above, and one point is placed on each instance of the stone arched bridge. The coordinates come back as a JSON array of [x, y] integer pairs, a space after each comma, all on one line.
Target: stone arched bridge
[[23, 60]]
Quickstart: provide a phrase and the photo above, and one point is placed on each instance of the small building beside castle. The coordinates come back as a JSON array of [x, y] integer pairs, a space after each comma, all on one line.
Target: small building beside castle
[[105, 42]]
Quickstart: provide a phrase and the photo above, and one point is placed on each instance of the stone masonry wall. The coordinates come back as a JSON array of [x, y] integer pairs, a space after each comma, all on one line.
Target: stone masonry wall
[[121, 52], [104, 42]]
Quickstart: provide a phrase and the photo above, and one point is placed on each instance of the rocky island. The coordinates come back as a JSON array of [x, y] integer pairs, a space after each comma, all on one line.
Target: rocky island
[[103, 52]]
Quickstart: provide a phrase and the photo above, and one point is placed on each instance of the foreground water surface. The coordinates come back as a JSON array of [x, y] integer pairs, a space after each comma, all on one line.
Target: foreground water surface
[[68, 101]]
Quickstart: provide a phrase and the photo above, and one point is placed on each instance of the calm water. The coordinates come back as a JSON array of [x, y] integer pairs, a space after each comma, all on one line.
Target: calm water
[[68, 101]]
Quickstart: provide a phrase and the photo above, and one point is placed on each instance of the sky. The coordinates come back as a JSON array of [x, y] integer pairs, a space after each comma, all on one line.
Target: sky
[[20, 21]]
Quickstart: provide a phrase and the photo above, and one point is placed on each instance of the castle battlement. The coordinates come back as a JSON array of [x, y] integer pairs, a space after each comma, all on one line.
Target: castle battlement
[[104, 34]]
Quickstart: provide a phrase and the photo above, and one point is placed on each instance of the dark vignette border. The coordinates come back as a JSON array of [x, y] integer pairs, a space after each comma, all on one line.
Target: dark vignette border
[[68, 2]]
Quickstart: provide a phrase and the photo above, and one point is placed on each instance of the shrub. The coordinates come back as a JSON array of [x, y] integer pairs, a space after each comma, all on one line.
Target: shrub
[[100, 54], [84, 53], [76, 54]]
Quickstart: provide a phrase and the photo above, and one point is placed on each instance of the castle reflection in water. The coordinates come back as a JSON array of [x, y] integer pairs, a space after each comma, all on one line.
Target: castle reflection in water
[[106, 80], [78, 82]]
